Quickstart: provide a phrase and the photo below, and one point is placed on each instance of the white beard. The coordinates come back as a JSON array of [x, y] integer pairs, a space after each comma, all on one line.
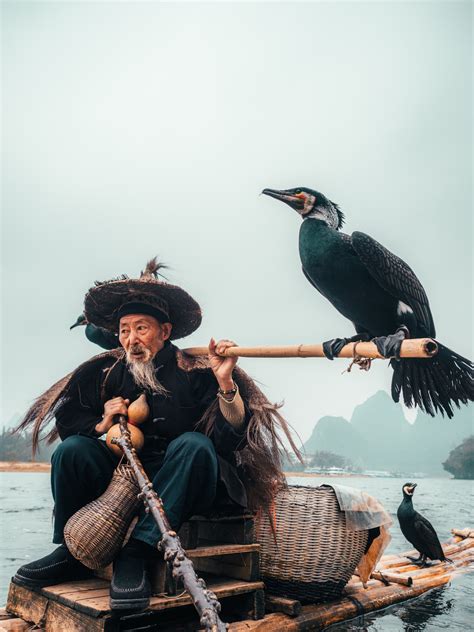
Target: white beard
[[143, 374]]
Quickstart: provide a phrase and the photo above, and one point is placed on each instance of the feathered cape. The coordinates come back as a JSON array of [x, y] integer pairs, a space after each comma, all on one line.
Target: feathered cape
[[259, 461]]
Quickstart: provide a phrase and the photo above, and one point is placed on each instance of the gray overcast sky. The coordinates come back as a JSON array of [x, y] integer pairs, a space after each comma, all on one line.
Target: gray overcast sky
[[135, 129]]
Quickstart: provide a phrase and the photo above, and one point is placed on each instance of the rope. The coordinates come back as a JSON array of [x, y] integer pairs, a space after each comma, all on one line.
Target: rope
[[363, 363], [357, 604], [383, 578]]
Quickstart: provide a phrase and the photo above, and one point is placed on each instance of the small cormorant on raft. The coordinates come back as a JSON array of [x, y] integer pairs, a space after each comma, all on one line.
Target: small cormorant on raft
[[418, 530], [381, 295]]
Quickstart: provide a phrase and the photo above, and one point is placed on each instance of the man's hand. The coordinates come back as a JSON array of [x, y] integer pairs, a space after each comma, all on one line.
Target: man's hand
[[112, 407], [221, 366]]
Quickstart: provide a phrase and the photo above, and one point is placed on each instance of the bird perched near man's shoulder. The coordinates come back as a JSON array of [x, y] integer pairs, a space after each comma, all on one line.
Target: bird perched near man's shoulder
[[382, 297], [418, 530], [98, 335]]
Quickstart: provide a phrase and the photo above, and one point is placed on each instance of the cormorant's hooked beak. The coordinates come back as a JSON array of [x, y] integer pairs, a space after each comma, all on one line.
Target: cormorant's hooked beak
[[296, 201], [411, 488], [81, 320]]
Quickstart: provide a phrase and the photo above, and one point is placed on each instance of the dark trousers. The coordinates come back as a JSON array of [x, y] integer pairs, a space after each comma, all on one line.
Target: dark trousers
[[185, 479]]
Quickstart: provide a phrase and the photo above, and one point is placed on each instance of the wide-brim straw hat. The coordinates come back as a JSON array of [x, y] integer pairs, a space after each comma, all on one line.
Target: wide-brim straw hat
[[105, 301]]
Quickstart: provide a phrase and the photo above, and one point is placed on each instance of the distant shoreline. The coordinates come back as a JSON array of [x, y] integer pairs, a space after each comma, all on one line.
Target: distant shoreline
[[323, 474], [38, 466], [24, 466]]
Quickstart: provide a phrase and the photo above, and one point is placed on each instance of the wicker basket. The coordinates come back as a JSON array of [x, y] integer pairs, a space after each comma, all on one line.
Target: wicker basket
[[95, 533], [315, 554]]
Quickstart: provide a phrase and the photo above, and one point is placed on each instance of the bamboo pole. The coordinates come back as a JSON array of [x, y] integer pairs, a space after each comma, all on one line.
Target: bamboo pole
[[391, 578], [413, 348], [463, 533]]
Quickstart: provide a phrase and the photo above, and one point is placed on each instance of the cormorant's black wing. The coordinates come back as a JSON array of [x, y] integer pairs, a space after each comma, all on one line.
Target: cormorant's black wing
[[394, 276], [427, 537]]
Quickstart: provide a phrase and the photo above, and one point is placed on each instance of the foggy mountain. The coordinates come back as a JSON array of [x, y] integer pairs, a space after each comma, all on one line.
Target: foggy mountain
[[378, 437]]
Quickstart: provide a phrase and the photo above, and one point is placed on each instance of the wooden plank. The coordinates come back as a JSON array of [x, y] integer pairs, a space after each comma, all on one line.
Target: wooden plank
[[211, 533], [158, 577], [258, 604], [89, 605], [97, 606], [252, 606], [224, 519], [222, 549], [274, 603], [243, 566], [26, 604], [60, 618], [188, 534], [221, 587], [82, 597], [74, 587]]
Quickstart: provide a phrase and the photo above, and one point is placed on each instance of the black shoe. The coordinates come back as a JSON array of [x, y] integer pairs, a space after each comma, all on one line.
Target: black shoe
[[130, 587], [55, 568]]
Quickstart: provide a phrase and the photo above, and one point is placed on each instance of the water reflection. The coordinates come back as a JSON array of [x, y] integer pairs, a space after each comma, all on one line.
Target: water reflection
[[412, 616], [416, 616]]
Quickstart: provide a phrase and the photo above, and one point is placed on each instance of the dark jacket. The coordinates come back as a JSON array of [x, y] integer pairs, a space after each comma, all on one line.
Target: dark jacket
[[190, 395]]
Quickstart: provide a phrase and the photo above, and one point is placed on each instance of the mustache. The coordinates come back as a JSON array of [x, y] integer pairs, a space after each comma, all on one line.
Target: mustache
[[138, 348]]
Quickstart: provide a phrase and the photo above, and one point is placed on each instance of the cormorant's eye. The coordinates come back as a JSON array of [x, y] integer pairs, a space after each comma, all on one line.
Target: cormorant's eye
[[298, 191]]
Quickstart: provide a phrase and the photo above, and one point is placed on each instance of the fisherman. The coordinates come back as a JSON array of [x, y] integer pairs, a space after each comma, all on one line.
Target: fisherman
[[202, 412]]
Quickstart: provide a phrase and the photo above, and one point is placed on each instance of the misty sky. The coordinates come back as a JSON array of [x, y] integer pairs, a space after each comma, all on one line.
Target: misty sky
[[135, 129]]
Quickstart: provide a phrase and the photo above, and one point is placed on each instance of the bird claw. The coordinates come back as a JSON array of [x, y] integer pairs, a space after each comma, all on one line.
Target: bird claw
[[389, 346], [332, 348]]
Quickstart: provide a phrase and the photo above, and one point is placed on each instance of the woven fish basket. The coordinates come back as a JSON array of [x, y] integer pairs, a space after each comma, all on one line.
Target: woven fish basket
[[315, 554], [95, 533]]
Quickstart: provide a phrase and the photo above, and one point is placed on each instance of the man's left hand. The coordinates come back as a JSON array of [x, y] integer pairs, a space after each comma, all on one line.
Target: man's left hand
[[222, 366]]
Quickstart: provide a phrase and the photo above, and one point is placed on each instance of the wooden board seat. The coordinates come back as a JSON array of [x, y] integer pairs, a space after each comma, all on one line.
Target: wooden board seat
[[237, 561], [218, 529], [83, 606]]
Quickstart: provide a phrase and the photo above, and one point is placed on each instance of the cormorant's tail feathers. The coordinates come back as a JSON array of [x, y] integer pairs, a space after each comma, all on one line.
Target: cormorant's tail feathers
[[434, 384]]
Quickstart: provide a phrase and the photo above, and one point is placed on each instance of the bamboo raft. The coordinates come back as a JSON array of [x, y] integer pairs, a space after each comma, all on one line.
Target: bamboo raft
[[234, 575]]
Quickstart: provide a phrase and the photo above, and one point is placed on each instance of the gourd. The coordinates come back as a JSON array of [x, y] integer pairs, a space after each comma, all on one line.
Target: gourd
[[136, 435], [138, 411]]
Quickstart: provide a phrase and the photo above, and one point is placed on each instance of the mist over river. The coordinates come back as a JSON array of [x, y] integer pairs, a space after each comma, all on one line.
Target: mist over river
[[26, 527]]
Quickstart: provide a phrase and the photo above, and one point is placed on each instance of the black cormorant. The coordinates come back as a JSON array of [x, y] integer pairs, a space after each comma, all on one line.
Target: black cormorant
[[418, 530], [99, 336], [382, 297]]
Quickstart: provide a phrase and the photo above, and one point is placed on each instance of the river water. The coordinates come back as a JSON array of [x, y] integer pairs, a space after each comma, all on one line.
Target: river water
[[26, 535]]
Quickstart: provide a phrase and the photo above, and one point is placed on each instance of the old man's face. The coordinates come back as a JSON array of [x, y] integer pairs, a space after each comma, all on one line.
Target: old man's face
[[142, 336]]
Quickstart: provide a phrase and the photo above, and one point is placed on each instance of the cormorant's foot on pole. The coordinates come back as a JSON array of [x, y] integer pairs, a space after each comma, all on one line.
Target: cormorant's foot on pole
[[389, 346], [415, 560], [332, 348]]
